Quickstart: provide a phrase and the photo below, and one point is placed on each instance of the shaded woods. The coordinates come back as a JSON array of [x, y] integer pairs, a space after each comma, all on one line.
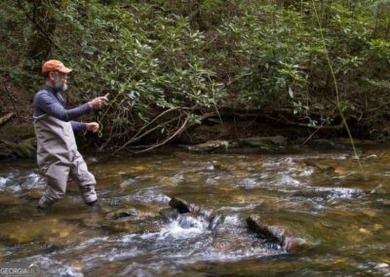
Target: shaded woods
[[172, 66]]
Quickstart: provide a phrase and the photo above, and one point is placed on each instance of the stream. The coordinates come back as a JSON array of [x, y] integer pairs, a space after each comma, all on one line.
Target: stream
[[335, 203]]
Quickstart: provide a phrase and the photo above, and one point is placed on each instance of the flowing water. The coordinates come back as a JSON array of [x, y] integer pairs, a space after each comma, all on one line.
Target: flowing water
[[325, 198]]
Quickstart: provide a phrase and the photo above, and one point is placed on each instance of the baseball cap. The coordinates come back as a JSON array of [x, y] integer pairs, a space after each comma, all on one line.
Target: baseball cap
[[55, 65]]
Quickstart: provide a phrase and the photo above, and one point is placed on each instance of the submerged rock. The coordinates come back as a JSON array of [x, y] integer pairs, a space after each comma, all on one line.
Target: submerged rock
[[121, 213], [169, 214]]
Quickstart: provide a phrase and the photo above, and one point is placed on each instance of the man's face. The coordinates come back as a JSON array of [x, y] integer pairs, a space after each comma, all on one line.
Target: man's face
[[59, 81]]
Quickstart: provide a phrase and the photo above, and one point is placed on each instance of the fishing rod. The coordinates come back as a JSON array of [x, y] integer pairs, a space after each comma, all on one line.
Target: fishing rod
[[336, 87]]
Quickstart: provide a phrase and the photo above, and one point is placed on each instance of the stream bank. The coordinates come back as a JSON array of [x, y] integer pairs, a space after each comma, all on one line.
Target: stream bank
[[17, 139]]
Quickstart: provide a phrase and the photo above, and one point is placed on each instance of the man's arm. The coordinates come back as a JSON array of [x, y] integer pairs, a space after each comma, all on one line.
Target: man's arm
[[49, 104], [87, 126], [78, 126]]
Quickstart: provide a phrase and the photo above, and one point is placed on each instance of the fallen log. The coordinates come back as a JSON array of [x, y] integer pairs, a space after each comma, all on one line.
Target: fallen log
[[289, 244], [264, 232]]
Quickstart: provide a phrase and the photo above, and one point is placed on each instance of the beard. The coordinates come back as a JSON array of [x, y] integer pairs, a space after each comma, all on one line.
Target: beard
[[60, 86]]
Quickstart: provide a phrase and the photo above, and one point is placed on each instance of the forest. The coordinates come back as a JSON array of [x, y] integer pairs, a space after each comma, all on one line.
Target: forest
[[171, 66]]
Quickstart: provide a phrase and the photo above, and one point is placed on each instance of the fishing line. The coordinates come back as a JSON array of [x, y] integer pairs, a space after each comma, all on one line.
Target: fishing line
[[99, 132], [338, 104]]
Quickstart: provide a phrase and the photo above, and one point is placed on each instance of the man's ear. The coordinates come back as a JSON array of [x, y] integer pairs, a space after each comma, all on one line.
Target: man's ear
[[52, 75]]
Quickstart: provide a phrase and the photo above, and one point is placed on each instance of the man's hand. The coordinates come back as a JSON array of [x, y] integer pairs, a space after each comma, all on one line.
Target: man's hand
[[98, 102], [92, 126]]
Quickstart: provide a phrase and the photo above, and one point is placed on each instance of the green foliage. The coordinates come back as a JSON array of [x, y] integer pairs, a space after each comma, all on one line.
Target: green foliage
[[167, 63], [148, 59], [283, 55], [274, 49]]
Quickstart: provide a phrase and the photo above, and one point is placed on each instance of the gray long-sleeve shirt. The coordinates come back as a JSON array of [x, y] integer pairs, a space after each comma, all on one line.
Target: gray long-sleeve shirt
[[49, 102]]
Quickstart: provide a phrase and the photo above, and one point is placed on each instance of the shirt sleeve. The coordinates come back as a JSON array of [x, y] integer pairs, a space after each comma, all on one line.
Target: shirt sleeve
[[49, 104], [78, 126]]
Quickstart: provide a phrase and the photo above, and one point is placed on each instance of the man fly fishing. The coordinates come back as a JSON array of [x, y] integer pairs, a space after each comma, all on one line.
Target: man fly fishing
[[57, 154]]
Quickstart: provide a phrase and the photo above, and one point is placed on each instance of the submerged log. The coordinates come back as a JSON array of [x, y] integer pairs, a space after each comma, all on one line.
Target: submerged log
[[288, 244], [263, 231], [266, 233]]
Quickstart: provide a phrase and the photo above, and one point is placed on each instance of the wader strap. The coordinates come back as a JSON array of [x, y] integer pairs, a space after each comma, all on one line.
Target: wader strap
[[36, 118]]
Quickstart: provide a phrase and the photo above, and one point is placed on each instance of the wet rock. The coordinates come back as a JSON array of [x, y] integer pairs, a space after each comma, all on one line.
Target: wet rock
[[209, 146], [169, 181], [132, 227], [121, 213], [321, 166], [131, 220], [180, 205], [212, 219], [264, 142], [323, 144], [219, 166], [292, 245]]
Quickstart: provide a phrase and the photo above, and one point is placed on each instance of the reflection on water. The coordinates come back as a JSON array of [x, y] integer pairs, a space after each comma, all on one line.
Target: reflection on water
[[340, 209]]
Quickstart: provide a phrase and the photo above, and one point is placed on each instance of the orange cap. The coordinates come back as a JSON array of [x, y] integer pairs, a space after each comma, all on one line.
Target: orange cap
[[55, 65]]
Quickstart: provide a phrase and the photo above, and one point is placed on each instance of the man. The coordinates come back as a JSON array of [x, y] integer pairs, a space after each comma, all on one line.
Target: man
[[57, 153]]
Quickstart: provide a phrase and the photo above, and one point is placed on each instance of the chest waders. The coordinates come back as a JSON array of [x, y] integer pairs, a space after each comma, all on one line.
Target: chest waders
[[57, 158]]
